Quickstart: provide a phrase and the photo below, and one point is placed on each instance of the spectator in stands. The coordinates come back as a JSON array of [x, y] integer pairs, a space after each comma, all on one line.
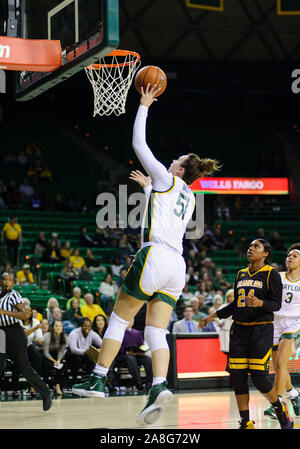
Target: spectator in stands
[[35, 338], [22, 159], [125, 245], [214, 326], [90, 310], [36, 314], [101, 237], [77, 261], [40, 245], [25, 277], [66, 251], [79, 341], [195, 303], [203, 307], [187, 324], [35, 201], [46, 174], [86, 240], [108, 289], [59, 204], [256, 206], [72, 203], [132, 355], [191, 276], [201, 289], [13, 235], [92, 263], [69, 273], [76, 295], [56, 314], [51, 254], [116, 267], [73, 314], [45, 326], [54, 238], [100, 324], [219, 238], [276, 242], [260, 233], [186, 294], [123, 273], [26, 190], [84, 274], [223, 212], [13, 196], [3, 190], [220, 283], [210, 290], [54, 347], [48, 312]]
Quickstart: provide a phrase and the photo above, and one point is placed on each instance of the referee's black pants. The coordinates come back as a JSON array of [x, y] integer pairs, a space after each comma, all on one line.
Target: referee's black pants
[[16, 350]]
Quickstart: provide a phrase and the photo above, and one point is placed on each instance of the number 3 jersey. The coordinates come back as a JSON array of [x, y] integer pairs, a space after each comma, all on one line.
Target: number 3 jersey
[[266, 285], [167, 215], [290, 306]]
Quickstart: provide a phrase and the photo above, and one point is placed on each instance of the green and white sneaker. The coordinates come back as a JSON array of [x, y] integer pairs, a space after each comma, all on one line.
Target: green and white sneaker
[[296, 404], [93, 386], [270, 412], [159, 398]]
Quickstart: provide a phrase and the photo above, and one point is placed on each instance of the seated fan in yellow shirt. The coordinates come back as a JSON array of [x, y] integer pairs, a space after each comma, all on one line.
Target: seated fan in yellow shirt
[[90, 310], [76, 259], [25, 277]]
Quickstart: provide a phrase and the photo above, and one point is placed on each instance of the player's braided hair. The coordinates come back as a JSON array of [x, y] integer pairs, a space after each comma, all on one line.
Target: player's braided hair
[[195, 168]]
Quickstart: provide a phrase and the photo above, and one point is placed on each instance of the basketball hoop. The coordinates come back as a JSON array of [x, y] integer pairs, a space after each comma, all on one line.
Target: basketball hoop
[[111, 79]]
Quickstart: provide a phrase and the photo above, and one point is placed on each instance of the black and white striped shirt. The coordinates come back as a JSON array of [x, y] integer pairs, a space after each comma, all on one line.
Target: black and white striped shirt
[[7, 302]]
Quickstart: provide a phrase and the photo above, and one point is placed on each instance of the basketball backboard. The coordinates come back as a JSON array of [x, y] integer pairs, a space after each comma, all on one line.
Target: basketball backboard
[[87, 30]]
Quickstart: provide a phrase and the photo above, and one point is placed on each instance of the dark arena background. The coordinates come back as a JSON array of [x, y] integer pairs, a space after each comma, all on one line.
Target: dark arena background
[[233, 94]]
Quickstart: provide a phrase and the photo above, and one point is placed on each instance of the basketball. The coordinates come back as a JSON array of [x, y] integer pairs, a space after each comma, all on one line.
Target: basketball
[[153, 75]]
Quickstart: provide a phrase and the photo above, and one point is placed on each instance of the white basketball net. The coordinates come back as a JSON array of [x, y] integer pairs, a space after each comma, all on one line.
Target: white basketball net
[[111, 79]]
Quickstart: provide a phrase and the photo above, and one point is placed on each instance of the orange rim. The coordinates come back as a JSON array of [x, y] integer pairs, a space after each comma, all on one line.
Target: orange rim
[[119, 64]]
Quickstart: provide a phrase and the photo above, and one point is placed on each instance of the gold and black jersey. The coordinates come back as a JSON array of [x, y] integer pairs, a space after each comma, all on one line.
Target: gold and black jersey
[[266, 285]]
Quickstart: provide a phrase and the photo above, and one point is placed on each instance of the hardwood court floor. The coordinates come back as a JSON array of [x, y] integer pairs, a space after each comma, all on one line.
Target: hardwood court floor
[[189, 410]]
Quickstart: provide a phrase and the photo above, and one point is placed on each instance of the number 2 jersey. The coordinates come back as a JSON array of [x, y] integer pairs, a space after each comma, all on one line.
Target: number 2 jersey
[[290, 307], [266, 285], [167, 215]]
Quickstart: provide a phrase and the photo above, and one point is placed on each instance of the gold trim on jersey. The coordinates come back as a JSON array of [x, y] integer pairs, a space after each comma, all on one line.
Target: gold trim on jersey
[[253, 323], [297, 280], [264, 268], [145, 293], [167, 191]]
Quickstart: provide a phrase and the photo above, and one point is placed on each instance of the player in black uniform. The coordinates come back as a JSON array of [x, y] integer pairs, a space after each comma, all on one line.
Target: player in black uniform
[[257, 294]]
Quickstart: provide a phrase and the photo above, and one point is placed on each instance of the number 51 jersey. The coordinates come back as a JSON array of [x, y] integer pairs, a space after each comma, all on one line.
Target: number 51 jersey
[[290, 306], [167, 215]]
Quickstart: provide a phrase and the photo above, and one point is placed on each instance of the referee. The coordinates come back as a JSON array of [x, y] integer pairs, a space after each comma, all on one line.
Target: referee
[[11, 312]]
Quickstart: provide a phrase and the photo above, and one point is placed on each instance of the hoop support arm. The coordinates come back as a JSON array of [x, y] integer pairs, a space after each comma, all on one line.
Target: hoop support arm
[[33, 55]]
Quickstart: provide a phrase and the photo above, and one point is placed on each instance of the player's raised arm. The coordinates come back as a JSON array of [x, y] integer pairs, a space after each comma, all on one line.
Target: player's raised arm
[[161, 178]]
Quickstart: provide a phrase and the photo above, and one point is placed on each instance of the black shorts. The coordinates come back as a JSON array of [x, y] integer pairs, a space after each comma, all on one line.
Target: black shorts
[[250, 348]]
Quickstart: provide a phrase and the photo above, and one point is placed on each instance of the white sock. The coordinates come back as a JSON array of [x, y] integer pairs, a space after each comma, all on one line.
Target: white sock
[[292, 393], [100, 370], [158, 380]]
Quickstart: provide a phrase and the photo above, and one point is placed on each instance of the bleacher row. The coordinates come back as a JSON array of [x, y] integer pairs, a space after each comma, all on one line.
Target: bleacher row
[[67, 225]]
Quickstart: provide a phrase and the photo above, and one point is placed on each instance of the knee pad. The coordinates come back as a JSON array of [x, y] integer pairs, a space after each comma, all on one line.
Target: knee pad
[[261, 383], [155, 338], [240, 383], [116, 328]]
